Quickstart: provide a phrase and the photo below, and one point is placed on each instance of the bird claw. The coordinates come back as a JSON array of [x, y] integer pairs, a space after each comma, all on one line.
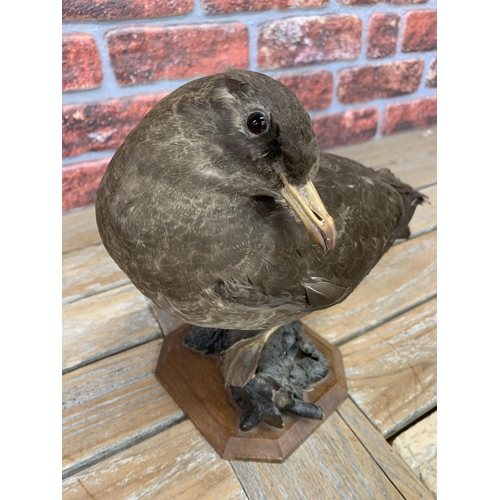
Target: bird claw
[[307, 410], [264, 401]]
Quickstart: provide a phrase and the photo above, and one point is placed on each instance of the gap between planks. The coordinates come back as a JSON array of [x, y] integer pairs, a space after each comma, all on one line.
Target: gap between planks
[[393, 465], [370, 463], [345, 458], [392, 369], [118, 350], [159, 427], [390, 439], [105, 324], [371, 326], [407, 425], [106, 288], [124, 444]]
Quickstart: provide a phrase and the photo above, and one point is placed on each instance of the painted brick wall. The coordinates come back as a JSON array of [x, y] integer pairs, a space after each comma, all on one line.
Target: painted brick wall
[[362, 68]]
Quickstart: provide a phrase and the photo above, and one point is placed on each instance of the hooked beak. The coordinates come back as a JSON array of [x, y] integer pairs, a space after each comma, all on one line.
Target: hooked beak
[[307, 204]]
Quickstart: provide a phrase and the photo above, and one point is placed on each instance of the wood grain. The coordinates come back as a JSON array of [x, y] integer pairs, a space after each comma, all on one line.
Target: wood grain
[[113, 402], [391, 370], [105, 324], [418, 448], [196, 384], [396, 469], [88, 271], [79, 230], [331, 464], [379, 153], [411, 157], [404, 278], [418, 171], [175, 464]]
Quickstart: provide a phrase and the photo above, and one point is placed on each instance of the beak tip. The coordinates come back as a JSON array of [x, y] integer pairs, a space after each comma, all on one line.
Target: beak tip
[[307, 204]]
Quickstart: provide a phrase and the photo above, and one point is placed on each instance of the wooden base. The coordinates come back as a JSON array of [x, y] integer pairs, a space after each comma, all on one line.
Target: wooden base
[[195, 383]]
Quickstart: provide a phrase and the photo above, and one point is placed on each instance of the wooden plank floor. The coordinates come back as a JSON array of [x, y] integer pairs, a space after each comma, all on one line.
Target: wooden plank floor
[[124, 437]]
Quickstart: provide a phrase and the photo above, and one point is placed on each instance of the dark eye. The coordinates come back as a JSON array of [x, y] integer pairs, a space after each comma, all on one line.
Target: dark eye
[[257, 123]]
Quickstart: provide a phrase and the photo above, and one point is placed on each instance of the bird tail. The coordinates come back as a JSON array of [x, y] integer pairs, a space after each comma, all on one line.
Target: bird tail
[[411, 200]]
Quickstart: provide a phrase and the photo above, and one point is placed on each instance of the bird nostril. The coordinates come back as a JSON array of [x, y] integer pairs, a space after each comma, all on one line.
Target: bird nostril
[[317, 216]]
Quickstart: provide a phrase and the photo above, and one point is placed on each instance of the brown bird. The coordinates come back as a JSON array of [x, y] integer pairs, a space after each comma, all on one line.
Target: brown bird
[[221, 209]]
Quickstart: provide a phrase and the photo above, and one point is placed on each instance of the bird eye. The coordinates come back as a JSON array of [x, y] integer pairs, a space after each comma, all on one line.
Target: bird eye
[[257, 123]]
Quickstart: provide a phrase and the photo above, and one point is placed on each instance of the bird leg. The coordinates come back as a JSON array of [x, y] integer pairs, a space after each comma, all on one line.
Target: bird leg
[[266, 372], [214, 340]]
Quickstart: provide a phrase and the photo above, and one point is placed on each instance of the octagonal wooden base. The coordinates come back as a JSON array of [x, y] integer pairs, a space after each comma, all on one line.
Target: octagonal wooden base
[[195, 382]]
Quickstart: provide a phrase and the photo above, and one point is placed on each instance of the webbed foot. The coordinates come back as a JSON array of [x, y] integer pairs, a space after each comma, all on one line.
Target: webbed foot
[[265, 372], [287, 364]]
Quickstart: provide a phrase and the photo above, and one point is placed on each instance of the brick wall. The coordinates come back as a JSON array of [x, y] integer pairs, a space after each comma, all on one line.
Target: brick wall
[[362, 68]]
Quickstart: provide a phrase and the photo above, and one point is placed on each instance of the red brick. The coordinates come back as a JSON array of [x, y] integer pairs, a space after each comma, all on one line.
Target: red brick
[[80, 183], [372, 2], [358, 2], [375, 82], [432, 75], [100, 10], [351, 127], [382, 35], [101, 126], [214, 6], [405, 2], [314, 89], [144, 54], [409, 115], [81, 64], [420, 31], [303, 40]]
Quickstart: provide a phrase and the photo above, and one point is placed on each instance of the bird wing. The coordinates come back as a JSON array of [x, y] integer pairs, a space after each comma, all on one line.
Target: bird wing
[[371, 210], [322, 293]]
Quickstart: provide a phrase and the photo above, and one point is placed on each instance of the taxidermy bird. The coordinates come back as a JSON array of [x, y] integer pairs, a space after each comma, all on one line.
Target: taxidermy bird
[[221, 209]]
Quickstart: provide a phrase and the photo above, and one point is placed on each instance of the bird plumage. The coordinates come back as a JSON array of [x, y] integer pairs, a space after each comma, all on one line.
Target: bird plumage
[[190, 208]]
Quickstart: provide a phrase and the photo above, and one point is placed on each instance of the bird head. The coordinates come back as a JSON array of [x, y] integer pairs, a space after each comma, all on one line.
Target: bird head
[[252, 137]]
